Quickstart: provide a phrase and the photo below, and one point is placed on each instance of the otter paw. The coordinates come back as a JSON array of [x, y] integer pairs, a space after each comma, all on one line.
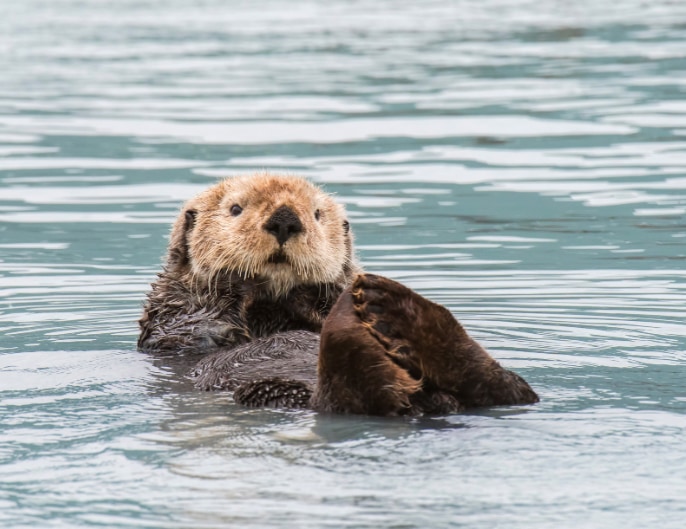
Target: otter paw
[[385, 306], [388, 311], [273, 393]]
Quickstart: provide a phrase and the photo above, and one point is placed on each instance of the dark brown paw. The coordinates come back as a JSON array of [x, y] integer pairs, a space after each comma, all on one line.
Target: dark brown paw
[[405, 323], [387, 309], [356, 374]]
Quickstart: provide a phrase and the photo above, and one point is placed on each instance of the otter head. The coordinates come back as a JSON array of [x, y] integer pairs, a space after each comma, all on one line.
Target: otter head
[[281, 231]]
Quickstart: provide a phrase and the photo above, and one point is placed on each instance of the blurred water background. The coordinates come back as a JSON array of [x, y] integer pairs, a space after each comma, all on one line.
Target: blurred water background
[[523, 163]]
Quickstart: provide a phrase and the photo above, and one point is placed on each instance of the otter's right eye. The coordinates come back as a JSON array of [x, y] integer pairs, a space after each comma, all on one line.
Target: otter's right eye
[[236, 210]]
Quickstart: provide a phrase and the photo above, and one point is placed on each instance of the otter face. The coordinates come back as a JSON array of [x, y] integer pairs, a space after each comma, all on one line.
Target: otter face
[[282, 231]]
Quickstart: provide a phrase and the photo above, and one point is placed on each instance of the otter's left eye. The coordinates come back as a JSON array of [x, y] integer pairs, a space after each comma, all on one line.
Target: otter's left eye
[[236, 210], [317, 214]]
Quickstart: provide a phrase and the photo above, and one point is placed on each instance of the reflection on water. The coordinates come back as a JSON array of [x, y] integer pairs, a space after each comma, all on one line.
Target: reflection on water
[[527, 170]]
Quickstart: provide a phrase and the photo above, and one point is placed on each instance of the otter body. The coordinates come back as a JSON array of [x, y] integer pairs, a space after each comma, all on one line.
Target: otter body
[[258, 266]]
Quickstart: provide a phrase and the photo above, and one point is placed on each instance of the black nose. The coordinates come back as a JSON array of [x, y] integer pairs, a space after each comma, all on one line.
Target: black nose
[[283, 224]]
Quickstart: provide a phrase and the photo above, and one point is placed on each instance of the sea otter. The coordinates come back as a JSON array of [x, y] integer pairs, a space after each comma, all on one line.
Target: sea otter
[[258, 266]]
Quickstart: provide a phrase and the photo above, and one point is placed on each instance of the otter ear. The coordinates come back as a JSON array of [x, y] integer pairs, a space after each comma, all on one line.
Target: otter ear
[[189, 217], [178, 241], [346, 227]]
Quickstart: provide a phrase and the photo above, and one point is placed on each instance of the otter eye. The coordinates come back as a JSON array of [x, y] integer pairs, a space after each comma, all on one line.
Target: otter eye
[[317, 214], [346, 226], [236, 210]]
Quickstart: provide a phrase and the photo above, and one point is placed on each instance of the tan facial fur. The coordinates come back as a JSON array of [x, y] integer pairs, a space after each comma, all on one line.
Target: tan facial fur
[[230, 233]]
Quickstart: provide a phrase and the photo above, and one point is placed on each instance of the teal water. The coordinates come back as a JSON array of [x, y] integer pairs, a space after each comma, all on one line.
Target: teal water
[[523, 163]]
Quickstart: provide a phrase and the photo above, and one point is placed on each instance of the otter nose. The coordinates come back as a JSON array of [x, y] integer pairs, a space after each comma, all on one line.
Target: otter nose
[[283, 224]]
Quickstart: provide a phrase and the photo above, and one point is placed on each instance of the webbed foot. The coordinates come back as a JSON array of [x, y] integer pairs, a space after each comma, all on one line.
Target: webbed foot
[[382, 338]]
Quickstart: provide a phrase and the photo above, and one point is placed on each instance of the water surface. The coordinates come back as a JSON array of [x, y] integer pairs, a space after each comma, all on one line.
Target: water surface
[[523, 163]]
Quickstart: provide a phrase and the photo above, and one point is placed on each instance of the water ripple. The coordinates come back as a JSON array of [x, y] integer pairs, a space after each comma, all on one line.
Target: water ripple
[[526, 170]]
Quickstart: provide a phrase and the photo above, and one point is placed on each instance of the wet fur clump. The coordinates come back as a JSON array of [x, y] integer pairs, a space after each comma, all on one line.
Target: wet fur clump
[[231, 368]]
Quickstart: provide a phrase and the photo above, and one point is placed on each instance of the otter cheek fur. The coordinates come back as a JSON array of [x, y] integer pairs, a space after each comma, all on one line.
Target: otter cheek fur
[[258, 266]]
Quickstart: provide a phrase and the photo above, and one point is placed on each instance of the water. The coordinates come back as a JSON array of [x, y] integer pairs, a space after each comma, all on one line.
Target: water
[[523, 163]]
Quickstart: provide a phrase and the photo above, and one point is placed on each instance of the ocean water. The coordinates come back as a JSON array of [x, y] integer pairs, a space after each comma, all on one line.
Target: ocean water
[[523, 163]]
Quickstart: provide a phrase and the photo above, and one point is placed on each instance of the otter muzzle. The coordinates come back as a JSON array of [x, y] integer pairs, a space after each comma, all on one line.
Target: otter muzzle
[[283, 224]]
